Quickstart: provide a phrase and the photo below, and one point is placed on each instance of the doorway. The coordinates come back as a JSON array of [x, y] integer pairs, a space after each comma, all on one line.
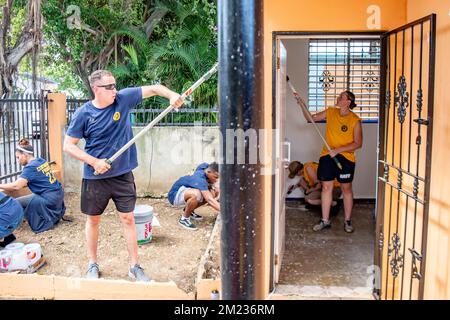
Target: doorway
[[389, 183]]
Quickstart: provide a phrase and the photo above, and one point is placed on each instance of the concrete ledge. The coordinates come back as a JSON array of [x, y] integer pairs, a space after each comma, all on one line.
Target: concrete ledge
[[57, 287]]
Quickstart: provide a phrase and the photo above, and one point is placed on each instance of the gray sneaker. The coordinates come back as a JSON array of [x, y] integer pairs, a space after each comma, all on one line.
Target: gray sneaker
[[348, 227], [93, 271], [187, 224], [322, 225], [138, 274]]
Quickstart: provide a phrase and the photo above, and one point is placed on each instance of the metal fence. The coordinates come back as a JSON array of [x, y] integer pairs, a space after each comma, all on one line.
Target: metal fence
[[186, 116], [21, 116]]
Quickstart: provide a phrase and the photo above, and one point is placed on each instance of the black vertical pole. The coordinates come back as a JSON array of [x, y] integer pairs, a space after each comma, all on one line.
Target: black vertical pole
[[241, 91]]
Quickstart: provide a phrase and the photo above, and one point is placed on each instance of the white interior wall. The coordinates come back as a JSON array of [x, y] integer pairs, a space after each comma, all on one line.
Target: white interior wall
[[306, 145]]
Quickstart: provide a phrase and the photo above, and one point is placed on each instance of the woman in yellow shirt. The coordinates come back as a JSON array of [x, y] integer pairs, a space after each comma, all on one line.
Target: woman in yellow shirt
[[344, 136], [312, 188]]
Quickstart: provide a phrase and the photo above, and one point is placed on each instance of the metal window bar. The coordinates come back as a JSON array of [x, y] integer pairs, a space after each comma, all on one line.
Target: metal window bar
[[336, 65]]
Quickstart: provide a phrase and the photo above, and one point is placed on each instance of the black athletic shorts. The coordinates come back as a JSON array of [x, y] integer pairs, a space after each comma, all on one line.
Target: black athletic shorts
[[328, 170], [95, 194]]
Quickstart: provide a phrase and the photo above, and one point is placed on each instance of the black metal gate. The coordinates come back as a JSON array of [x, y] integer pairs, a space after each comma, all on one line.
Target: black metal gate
[[21, 116], [405, 136]]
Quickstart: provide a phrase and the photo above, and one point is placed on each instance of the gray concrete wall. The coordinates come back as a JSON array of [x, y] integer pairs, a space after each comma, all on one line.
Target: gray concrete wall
[[164, 155]]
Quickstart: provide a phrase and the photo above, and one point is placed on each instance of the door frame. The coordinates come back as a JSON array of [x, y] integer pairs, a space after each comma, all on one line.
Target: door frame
[[280, 35]]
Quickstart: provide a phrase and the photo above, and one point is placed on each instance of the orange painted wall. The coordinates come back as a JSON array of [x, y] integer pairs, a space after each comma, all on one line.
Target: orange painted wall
[[437, 274], [315, 15]]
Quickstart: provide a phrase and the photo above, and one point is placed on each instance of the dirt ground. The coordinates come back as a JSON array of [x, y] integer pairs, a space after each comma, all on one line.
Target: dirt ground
[[173, 254]]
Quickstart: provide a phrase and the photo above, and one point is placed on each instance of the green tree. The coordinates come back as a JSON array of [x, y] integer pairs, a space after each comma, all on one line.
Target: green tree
[[20, 34]]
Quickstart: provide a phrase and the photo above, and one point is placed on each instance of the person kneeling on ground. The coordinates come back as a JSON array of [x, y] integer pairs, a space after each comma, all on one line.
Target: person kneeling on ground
[[45, 206], [310, 184], [11, 216], [194, 191]]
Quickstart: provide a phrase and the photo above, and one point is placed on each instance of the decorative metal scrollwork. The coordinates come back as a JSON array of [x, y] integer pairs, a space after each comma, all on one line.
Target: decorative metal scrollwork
[[399, 179], [388, 99], [397, 259], [381, 241], [419, 100], [327, 80], [401, 99], [415, 257], [370, 81], [416, 187]]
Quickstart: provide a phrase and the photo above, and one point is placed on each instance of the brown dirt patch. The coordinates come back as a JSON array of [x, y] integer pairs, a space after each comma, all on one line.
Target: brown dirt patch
[[173, 254]]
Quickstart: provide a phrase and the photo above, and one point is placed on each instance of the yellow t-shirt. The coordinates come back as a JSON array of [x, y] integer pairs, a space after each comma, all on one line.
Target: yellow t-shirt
[[314, 166], [340, 131]]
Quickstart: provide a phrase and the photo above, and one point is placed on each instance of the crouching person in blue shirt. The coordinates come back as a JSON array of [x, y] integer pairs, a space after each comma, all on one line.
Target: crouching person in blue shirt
[[194, 191], [11, 216], [45, 206]]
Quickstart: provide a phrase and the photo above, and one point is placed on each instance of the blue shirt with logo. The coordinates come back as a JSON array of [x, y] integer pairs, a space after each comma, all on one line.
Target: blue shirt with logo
[[197, 180], [106, 130], [40, 177]]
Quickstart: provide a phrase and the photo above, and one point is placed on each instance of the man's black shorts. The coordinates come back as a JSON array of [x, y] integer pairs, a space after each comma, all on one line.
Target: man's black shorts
[[328, 170], [95, 194]]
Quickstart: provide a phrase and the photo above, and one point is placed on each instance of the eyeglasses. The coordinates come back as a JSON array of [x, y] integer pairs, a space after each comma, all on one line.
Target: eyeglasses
[[110, 86]]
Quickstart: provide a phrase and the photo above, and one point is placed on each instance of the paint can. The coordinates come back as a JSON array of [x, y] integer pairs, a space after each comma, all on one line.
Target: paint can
[[19, 260], [143, 216]]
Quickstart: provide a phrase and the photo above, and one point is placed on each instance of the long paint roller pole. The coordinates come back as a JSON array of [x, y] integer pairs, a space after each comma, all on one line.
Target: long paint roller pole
[[310, 118], [187, 93]]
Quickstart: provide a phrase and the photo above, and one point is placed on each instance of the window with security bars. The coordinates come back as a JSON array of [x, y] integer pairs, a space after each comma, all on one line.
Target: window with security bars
[[336, 65]]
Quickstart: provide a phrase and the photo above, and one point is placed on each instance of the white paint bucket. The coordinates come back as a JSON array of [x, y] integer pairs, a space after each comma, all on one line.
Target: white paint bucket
[[5, 259], [19, 260], [143, 216], [16, 246], [33, 252]]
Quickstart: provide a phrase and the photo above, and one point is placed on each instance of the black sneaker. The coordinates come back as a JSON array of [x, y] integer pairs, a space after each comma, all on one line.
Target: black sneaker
[[194, 216], [348, 227], [322, 225], [7, 240], [187, 224]]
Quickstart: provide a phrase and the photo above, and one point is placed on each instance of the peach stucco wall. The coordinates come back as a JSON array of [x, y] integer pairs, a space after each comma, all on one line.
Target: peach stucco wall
[[313, 15], [437, 281]]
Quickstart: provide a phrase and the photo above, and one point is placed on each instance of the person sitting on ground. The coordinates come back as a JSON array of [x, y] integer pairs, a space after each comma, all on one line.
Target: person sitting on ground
[[195, 190], [45, 206], [312, 188], [11, 216]]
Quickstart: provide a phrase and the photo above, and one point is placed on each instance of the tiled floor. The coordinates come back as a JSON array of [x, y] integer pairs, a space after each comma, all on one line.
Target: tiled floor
[[331, 257]]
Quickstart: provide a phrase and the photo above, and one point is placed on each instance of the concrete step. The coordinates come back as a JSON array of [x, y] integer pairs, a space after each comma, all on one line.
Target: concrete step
[[295, 292]]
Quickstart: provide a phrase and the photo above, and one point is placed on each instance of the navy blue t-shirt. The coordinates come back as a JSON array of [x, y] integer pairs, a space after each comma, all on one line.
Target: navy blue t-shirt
[[40, 177], [10, 211], [198, 180], [106, 131]]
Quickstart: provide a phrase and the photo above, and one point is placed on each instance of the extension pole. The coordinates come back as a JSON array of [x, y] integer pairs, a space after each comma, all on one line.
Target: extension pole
[[187, 93], [310, 118]]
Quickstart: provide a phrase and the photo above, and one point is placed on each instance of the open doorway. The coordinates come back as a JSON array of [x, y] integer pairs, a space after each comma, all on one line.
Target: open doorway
[[320, 66]]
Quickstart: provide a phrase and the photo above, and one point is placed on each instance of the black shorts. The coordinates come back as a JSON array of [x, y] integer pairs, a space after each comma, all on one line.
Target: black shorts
[[328, 170], [95, 194]]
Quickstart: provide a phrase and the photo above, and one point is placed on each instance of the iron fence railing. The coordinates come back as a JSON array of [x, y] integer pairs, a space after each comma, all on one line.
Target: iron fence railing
[[21, 116], [186, 116]]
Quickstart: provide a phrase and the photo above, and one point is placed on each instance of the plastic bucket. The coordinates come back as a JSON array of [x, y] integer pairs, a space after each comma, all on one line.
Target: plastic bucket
[[143, 216], [5, 260]]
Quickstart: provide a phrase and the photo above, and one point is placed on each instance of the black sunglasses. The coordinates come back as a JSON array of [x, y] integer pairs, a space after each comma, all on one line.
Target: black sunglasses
[[110, 86]]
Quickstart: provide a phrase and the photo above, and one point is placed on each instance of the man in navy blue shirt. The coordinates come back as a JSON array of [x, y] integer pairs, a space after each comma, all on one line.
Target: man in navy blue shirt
[[104, 124], [194, 191]]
